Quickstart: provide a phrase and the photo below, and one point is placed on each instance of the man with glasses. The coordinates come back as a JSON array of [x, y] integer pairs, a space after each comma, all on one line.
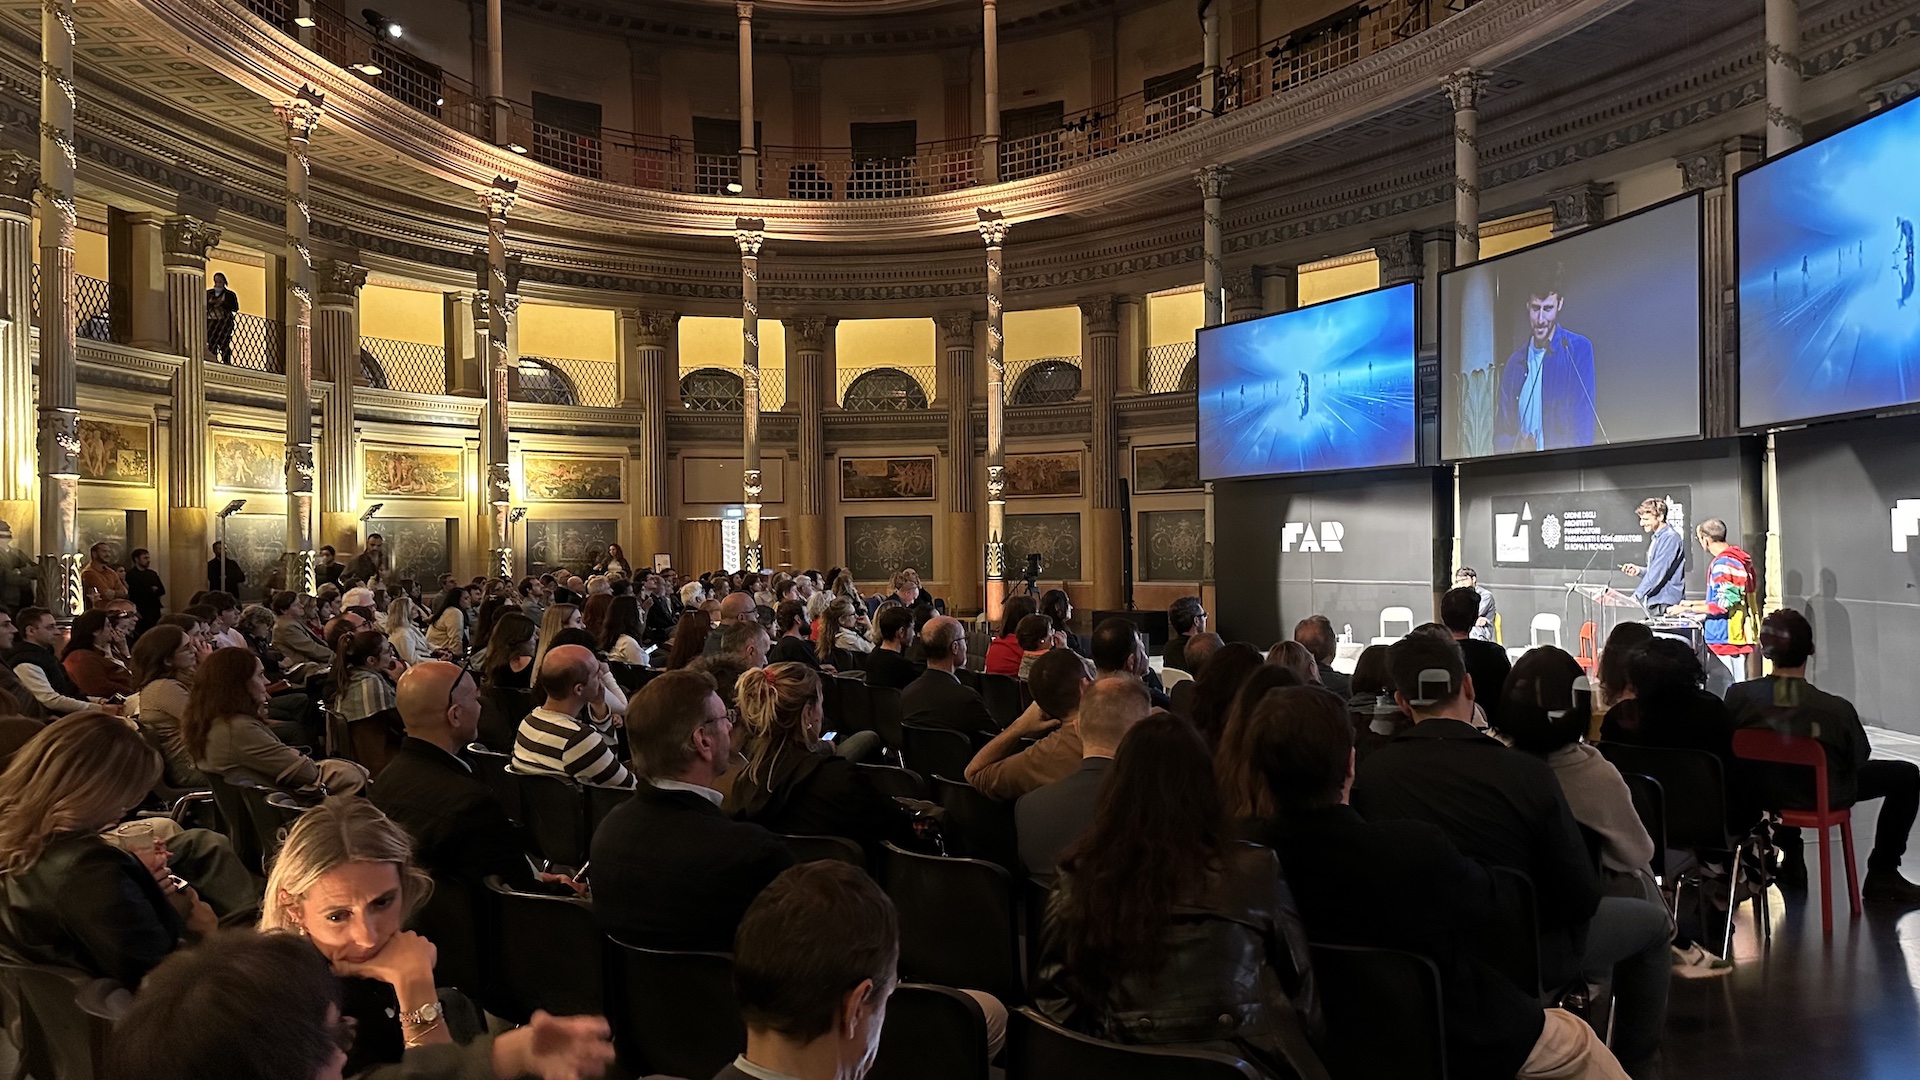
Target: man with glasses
[[1185, 618], [670, 869], [1468, 578]]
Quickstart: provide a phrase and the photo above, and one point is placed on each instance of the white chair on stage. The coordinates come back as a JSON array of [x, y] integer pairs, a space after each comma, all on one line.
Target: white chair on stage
[[1546, 630], [1391, 617]]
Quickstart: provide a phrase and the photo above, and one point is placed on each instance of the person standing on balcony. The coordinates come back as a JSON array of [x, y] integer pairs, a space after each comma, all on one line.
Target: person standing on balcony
[[222, 306]]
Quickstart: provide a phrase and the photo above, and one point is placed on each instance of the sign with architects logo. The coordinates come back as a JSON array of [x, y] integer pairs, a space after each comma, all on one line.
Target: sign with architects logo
[[1581, 530]]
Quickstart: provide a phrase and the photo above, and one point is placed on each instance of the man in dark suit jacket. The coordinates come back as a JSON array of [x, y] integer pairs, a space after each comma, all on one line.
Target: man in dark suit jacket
[[1485, 661], [670, 869], [937, 698], [888, 665], [1050, 818], [461, 832]]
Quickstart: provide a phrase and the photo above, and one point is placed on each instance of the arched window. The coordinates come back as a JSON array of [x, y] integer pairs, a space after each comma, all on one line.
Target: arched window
[[372, 371], [884, 390], [1048, 382], [542, 383], [713, 390]]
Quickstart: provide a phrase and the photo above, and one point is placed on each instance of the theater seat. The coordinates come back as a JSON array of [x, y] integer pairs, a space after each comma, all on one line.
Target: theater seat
[[674, 1013], [1039, 1049]]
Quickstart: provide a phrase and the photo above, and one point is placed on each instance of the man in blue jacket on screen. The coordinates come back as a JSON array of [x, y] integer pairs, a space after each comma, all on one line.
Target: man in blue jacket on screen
[[1663, 581], [1546, 386]]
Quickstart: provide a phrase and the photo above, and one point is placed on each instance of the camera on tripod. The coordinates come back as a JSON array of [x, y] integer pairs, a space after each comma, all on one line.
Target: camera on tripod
[[1032, 573]]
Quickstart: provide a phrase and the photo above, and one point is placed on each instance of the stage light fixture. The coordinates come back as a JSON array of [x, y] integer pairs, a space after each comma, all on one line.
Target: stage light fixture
[[304, 23], [516, 148]]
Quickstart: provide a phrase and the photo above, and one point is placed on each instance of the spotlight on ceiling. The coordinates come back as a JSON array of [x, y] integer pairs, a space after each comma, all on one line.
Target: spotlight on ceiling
[[381, 24], [304, 23], [735, 188], [367, 69], [439, 101], [516, 148]]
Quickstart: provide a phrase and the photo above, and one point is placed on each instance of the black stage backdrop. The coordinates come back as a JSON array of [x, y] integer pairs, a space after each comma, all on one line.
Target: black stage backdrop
[[1275, 559], [1530, 526], [1849, 509]]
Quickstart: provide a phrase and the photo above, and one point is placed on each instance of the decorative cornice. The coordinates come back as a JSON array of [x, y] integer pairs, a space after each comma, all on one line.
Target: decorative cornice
[[1578, 207]]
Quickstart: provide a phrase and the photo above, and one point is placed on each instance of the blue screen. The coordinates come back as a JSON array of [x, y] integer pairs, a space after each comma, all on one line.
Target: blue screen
[[1829, 319], [1325, 387]]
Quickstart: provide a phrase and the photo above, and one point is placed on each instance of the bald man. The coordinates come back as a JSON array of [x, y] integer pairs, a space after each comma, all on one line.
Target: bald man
[[564, 737], [461, 832], [937, 698], [737, 607]]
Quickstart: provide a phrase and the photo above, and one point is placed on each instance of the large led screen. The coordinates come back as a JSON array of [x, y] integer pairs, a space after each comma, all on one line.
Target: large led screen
[[1589, 340], [1322, 388], [1829, 323]]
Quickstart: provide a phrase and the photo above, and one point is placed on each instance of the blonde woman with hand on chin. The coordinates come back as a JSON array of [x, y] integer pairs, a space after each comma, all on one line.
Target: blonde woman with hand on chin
[[345, 881]]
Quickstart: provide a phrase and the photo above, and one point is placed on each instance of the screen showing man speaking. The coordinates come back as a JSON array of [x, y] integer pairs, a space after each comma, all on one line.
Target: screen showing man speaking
[[1585, 341]]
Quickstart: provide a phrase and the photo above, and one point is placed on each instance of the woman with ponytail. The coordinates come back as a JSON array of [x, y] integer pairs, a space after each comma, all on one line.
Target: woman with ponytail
[[795, 783]]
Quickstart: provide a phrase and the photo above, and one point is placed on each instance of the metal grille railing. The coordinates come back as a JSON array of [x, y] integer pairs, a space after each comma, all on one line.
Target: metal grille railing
[[1048, 380], [1322, 49], [596, 383], [1170, 367], [409, 365], [714, 389], [804, 172], [886, 389], [1100, 131], [256, 345], [92, 306]]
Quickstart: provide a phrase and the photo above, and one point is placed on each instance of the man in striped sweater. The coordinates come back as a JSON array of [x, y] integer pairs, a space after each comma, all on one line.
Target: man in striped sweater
[[563, 737], [1729, 626]]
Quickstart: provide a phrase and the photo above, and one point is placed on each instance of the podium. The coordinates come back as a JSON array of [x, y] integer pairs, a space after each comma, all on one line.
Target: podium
[[1605, 606]]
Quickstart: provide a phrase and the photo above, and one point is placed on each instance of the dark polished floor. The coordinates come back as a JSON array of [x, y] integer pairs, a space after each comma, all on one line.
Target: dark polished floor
[[1808, 1009]]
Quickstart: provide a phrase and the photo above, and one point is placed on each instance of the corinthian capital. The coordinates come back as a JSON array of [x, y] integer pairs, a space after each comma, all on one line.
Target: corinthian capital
[[956, 327], [808, 332], [1212, 180], [338, 281], [1098, 313], [1465, 88], [498, 197], [301, 113], [656, 327], [749, 233], [993, 227], [19, 175], [188, 238]]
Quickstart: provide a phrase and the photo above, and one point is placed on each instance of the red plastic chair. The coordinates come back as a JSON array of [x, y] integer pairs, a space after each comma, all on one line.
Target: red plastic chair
[[1589, 642], [1755, 744]]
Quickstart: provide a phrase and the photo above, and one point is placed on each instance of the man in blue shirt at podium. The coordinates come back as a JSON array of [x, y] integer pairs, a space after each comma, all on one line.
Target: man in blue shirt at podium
[[1663, 581]]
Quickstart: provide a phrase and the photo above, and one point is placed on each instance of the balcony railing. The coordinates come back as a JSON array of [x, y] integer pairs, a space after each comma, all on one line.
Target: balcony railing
[[92, 306], [1048, 380], [1170, 368], [670, 163], [256, 345], [404, 365], [704, 388], [886, 389]]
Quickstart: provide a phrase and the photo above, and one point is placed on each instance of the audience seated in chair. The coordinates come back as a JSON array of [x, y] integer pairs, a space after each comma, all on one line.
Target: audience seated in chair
[[1668, 709], [1316, 633], [1004, 768], [937, 698], [37, 670], [1198, 650], [251, 1006], [225, 733], [1485, 661], [361, 686], [1496, 805], [165, 662], [670, 870], [1629, 935], [792, 646], [1003, 652], [69, 896], [1218, 682], [1051, 818], [510, 649], [744, 642], [887, 665], [1786, 702], [1185, 618], [554, 740], [795, 783], [1401, 884], [1162, 930], [1117, 647], [89, 657]]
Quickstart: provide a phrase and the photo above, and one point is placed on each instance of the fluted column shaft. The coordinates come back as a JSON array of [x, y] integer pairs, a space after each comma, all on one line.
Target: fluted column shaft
[[496, 199], [1213, 183], [993, 231], [1100, 363], [749, 153], [990, 46], [337, 349], [19, 175], [955, 385], [1464, 88], [299, 115], [810, 386], [497, 108], [185, 242], [749, 234], [1210, 56], [59, 420], [1783, 76], [653, 333]]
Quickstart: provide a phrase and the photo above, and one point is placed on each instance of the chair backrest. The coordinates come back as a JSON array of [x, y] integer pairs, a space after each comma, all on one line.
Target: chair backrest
[[823, 848], [1383, 1011], [978, 826], [968, 677], [1512, 944], [493, 767], [602, 801], [1002, 696], [502, 709], [1396, 616], [1034, 896], [935, 751], [1695, 786], [885, 712], [674, 1012], [1039, 1049], [458, 918], [631, 677], [895, 781], [957, 923], [556, 812], [1780, 748], [55, 1029], [236, 823], [1545, 629], [1650, 802], [548, 952], [856, 714], [932, 1033], [1171, 677], [376, 739]]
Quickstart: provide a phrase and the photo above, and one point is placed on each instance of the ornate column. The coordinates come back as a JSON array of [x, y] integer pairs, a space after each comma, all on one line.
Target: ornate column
[[497, 109], [993, 230], [1244, 300], [648, 387], [1783, 76], [811, 387], [19, 176], [496, 199], [1213, 182], [1210, 56], [337, 348], [749, 152], [749, 233], [59, 419], [990, 46], [954, 386], [1464, 88], [299, 114], [1710, 170], [185, 242], [1399, 257], [1100, 363]]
